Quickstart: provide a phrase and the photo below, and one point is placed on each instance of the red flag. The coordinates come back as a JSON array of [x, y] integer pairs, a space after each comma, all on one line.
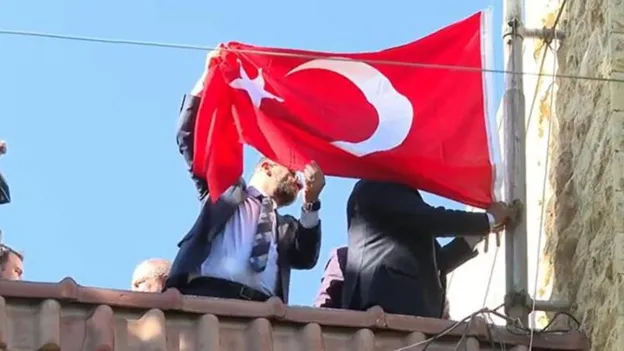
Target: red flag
[[360, 115]]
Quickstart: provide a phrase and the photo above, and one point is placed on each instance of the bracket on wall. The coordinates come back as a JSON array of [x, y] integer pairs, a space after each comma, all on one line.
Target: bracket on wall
[[520, 303], [545, 33]]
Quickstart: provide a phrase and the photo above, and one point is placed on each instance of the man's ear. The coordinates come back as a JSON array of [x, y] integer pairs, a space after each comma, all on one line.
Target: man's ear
[[266, 167]]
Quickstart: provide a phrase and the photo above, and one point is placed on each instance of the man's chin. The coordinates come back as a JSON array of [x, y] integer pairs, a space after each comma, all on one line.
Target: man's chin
[[286, 199]]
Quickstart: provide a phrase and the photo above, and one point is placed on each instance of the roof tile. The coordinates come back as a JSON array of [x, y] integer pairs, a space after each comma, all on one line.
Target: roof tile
[[67, 316]]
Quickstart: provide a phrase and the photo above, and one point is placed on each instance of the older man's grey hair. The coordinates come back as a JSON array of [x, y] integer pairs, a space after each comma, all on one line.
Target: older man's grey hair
[[157, 268]]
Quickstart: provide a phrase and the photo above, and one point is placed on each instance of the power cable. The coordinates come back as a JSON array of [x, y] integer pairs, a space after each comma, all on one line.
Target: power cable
[[295, 55], [546, 162], [489, 283], [543, 200], [427, 342], [487, 313]]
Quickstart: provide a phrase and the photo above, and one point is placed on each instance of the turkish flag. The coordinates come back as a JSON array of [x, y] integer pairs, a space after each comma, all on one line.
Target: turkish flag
[[402, 114]]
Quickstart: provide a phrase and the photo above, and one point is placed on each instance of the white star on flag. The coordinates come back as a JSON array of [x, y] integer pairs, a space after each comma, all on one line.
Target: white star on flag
[[254, 87]]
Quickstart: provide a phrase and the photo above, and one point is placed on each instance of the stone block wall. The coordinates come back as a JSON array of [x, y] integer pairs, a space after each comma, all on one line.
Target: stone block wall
[[584, 246]]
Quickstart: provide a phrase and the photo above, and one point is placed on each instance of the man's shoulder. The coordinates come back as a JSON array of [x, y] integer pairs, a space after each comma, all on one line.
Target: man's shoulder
[[367, 186], [233, 195]]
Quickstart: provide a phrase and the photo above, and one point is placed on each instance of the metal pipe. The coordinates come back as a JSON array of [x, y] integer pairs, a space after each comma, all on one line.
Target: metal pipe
[[551, 305], [543, 33], [515, 157]]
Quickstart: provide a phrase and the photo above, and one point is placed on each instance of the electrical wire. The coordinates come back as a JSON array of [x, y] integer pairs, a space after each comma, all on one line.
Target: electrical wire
[[487, 313], [427, 342], [547, 47], [489, 283], [542, 212], [294, 55]]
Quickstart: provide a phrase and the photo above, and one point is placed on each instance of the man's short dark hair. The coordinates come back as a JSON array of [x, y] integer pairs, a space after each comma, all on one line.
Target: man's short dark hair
[[5, 251]]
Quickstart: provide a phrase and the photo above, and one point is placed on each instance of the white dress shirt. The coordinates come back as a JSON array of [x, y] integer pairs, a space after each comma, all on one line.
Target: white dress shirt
[[231, 249]]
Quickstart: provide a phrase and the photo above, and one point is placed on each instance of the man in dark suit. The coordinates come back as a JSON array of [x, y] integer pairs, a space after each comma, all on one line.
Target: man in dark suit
[[394, 260], [239, 247], [332, 282], [5, 195]]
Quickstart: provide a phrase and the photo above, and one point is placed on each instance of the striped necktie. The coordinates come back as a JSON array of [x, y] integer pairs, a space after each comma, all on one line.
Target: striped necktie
[[264, 233]]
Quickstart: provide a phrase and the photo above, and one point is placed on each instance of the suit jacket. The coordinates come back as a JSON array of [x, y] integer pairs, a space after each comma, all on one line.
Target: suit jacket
[[330, 293], [394, 260], [5, 194], [297, 247]]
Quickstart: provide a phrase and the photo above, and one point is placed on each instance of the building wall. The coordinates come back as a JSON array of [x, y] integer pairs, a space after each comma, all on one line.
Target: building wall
[[585, 222], [581, 252]]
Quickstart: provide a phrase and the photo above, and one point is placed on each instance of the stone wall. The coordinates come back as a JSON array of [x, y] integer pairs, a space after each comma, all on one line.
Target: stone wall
[[584, 249]]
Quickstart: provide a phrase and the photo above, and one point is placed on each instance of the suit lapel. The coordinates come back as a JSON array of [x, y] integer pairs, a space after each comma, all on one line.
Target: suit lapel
[[283, 236], [226, 206]]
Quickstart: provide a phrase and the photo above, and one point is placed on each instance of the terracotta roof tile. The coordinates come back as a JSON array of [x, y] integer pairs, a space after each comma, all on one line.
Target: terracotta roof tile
[[67, 316]]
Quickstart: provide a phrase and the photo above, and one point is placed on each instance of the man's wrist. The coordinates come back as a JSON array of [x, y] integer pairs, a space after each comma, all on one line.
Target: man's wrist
[[312, 206], [310, 214]]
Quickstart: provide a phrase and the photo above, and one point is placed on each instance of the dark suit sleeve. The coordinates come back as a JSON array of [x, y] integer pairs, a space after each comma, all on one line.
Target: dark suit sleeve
[[5, 194], [455, 254], [305, 246], [185, 138], [400, 205]]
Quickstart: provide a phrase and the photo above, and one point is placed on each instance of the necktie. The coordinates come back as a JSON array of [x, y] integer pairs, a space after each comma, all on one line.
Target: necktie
[[262, 238]]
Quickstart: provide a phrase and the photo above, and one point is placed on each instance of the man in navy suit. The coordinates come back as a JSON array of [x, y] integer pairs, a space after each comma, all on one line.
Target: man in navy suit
[[240, 247], [394, 260]]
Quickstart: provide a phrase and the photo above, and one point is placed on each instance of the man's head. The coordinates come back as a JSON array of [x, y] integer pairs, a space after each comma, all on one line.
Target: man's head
[[11, 263], [277, 181], [150, 275]]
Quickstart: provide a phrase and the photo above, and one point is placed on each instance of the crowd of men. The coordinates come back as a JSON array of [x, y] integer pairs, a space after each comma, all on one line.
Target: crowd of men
[[240, 247]]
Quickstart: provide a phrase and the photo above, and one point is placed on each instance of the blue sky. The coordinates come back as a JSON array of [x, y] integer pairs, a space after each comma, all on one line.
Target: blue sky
[[96, 179]]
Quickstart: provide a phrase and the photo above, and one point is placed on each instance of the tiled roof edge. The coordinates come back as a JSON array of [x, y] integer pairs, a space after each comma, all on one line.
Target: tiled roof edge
[[67, 290]]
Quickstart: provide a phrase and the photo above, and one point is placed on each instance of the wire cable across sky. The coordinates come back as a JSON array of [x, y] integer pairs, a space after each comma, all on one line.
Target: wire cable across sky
[[175, 46]]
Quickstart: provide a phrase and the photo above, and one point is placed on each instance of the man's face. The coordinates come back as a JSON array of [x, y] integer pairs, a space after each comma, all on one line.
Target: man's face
[[284, 182], [12, 268]]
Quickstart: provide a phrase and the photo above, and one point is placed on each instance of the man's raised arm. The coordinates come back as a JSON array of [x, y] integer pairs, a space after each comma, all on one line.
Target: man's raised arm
[[400, 204], [186, 126], [303, 251]]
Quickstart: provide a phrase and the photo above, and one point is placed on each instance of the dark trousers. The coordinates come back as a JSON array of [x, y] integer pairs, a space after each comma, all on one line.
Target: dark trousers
[[221, 288]]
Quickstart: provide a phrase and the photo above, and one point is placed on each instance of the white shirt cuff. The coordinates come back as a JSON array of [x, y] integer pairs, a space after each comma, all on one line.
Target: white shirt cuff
[[309, 219]]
